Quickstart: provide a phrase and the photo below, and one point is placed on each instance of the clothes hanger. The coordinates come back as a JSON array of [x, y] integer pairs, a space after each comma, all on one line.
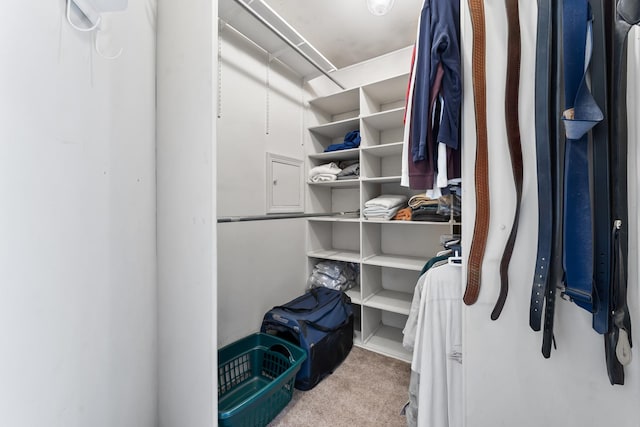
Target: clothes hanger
[[455, 260]]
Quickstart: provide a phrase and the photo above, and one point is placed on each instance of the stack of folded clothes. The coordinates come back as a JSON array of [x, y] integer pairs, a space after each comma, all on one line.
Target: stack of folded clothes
[[384, 206], [428, 213], [350, 169], [351, 140], [420, 200], [425, 209], [324, 173]]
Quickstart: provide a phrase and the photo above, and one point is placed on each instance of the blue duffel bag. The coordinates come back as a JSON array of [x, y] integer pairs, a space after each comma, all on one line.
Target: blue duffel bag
[[321, 323]]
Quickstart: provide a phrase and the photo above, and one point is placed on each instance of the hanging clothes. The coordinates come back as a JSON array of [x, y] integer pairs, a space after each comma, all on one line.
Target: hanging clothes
[[435, 388], [433, 99]]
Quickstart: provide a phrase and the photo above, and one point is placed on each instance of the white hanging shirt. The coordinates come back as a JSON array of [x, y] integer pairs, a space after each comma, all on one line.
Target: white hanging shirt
[[437, 354]]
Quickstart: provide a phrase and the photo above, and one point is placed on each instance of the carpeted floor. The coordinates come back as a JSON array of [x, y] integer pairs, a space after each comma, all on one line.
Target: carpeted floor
[[366, 390]]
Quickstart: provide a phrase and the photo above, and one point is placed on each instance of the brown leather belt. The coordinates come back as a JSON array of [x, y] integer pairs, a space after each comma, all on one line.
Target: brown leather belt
[[481, 175], [513, 138]]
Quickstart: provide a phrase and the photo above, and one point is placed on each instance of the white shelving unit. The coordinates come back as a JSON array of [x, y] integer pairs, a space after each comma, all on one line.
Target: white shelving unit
[[390, 253]]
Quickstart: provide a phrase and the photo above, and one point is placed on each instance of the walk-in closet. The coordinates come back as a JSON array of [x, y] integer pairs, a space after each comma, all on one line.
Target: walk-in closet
[[269, 109], [173, 171]]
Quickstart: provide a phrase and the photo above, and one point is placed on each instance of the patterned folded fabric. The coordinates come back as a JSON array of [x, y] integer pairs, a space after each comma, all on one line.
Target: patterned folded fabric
[[421, 200]]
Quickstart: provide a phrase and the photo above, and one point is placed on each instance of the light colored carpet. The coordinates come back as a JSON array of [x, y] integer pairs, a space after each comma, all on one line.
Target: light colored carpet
[[366, 390]]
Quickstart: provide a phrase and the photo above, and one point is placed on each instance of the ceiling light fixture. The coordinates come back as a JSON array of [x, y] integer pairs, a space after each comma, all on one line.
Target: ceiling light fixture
[[379, 7]]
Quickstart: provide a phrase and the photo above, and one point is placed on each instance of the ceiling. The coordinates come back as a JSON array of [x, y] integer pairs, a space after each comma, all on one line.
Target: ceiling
[[343, 31]]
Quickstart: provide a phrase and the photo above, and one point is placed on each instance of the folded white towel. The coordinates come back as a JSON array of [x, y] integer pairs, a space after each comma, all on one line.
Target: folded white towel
[[380, 213], [387, 201], [326, 169], [323, 177], [376, 209]]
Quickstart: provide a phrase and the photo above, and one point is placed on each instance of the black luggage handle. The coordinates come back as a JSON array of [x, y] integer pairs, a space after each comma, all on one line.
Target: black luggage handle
[[324, 328], [313, 292]]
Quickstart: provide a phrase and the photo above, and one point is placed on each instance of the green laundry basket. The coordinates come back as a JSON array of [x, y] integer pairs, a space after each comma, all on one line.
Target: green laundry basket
[[255, 379]]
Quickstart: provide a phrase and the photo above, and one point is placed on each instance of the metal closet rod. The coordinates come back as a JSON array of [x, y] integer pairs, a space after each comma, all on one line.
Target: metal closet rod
[[281, 216], [287, 41]]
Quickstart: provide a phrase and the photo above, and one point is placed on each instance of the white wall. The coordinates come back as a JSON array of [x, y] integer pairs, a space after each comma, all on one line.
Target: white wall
[[263, 263], [77, 223], [392, 64], [507, 381], [186, 177]]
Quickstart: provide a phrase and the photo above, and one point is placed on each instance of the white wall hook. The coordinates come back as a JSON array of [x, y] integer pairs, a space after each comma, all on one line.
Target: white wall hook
[[93, 10], [102, 54], [74, 26]]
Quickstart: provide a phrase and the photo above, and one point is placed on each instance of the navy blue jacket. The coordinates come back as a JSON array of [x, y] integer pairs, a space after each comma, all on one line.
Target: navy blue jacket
[[437, 43]]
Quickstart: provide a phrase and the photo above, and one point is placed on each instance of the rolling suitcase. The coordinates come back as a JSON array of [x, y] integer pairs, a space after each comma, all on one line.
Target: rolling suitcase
[[321, 323]]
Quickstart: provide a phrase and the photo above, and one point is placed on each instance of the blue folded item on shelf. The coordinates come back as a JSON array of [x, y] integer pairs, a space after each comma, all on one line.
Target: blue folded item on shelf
[[351, 140]]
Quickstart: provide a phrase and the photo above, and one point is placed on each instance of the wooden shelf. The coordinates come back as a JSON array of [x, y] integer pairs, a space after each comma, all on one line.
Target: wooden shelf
[[397, 302], [387, 91], [338, 103], [354, 294], [337, 183], [404, 223], [336, 129], [382, 179], [330, 156], [385, 120], [335, 219], [335, 254], [387, 251], [387, 340], [396, 261], [384, 150]]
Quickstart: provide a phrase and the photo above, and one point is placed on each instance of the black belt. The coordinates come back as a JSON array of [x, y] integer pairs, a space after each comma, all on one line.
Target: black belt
[[544, 41], [513, 137], [549, 152], [600, 162], [625, 14]]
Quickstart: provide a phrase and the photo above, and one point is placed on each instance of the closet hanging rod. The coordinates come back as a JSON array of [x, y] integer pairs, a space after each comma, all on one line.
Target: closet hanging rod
[[225, 25], [282, 216], [288, 42]]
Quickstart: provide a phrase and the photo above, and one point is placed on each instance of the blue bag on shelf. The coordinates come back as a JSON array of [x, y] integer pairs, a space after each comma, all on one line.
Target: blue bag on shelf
[[321, 323]]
